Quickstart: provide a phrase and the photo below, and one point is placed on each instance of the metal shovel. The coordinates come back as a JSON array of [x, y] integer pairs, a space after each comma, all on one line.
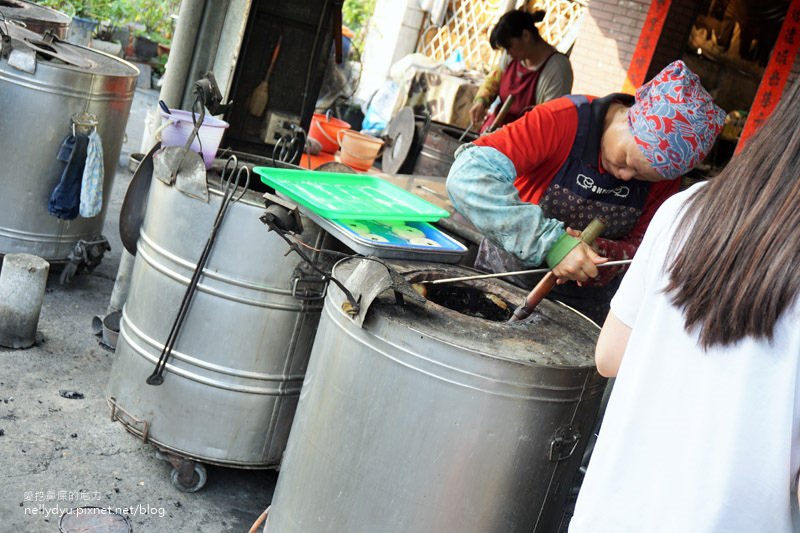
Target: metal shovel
[[134, 205], [180, 165], [185, 169]]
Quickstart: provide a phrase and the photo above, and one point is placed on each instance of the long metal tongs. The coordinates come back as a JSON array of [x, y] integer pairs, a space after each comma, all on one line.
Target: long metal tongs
[[197, 122], [230, 183]]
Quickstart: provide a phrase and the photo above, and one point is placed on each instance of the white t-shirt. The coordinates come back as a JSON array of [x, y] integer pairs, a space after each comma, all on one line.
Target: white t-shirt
[[693, 441]]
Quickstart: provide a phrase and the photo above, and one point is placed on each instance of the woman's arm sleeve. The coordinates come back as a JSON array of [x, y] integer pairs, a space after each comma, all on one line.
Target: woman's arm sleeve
[[490, 86], [555, 79], [481, 187]]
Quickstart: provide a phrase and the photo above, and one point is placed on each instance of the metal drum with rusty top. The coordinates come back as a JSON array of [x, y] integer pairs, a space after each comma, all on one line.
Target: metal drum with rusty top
[[438, 416], [36, 18], [437, 153], [231, 385], [43, 85]]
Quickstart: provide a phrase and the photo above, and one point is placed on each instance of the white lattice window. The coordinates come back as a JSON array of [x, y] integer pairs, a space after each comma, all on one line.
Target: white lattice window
[[469, 22], [560, 25]]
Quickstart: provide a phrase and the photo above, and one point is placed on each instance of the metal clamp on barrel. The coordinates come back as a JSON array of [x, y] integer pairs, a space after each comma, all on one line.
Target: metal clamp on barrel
[[563, 443], [283, 213], [309, 289], [306, 286]]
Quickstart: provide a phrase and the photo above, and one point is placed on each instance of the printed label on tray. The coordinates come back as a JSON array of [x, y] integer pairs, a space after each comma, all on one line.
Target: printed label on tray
[[419, 235]]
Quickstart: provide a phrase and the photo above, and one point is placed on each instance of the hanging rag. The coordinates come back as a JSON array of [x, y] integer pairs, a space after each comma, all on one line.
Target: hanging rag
[[92, 182], [66, 196], [437, 10]]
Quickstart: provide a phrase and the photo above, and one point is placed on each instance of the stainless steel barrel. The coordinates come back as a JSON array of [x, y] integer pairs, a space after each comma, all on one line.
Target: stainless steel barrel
[[434, 418], [438, 149], [36, 18], [231, 386], [36, 112]]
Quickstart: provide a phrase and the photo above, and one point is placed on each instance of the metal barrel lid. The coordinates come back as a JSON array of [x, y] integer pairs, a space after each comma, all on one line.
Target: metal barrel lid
[[54, 51], [403, 145], [33, 15], [474, 316]]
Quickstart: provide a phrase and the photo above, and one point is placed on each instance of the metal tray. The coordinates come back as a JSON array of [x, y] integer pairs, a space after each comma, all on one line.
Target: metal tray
[[412, 240], [350, 196]]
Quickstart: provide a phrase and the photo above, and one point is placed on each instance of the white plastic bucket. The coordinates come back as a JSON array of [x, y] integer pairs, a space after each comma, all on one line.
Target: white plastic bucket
[[179, 126]]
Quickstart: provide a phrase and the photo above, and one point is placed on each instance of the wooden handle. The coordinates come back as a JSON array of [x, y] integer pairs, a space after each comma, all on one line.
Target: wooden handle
[[274, 58], [501, 115], [534, 297], [337, 31], [588, 235], [595, 228]]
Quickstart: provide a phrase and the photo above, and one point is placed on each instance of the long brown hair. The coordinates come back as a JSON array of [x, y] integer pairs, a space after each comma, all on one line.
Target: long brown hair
[[738, 267]]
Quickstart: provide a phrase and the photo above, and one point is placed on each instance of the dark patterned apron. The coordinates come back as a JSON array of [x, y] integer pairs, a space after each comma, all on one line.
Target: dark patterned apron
[[578, 193], [521, 82]]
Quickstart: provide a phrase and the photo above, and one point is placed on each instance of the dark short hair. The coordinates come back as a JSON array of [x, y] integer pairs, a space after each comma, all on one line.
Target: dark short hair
[[512, 24]]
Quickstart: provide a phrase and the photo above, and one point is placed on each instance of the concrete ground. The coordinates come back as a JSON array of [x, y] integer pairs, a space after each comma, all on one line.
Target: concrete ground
[[58, 453]]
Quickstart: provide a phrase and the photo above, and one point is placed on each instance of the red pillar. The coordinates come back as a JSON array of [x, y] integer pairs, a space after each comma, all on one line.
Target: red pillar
[[775, 75], [646, 45]]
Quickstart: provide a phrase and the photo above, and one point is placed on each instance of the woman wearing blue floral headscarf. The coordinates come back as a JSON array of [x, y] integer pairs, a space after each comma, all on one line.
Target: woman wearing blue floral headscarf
[[576, 158]]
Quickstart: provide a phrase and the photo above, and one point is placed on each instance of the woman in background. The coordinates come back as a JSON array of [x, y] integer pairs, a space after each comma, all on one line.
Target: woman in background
[[702, 431], [532, 70]]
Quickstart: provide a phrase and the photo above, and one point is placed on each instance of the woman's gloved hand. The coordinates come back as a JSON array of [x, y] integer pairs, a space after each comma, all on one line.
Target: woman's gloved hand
[[477, 113], [579, 264]]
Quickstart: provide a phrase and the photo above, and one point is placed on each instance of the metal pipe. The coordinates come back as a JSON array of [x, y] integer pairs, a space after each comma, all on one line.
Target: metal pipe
[[122, 283], [182, 51], [206, 46]]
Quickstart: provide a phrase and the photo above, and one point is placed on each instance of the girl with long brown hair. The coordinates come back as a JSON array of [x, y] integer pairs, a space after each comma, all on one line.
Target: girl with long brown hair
[[701, 431]]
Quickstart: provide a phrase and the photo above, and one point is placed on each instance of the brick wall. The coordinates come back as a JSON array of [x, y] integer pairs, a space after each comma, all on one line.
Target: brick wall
[[605, 44], [607, 38]]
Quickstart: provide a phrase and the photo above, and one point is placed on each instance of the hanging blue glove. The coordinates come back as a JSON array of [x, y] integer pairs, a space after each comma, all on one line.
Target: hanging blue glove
[[65, 199]]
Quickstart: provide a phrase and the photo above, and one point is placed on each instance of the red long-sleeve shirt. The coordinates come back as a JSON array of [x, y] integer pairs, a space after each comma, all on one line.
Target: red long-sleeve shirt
[[538, 145]]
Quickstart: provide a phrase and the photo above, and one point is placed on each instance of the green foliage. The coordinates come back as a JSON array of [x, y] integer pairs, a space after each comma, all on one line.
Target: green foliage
[[356, 15], [73, 8], [154, 15], [159, 64], [101, 10]]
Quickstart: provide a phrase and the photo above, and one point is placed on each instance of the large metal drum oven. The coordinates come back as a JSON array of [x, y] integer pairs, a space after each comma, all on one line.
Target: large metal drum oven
[[438, 417], [231, 385], [43, 84]]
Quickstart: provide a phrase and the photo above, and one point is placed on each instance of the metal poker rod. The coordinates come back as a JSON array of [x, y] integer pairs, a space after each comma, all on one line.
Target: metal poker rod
[[516, 273]]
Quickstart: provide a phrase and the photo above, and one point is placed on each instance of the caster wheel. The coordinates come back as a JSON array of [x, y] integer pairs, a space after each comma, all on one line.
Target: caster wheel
[[69, 271], [198, 479]]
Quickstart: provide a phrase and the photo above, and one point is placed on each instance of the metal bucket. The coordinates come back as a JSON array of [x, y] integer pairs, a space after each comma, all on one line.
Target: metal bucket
[[35, 116], [428, 419], [438, 149], [231, 386], [38, 19]]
